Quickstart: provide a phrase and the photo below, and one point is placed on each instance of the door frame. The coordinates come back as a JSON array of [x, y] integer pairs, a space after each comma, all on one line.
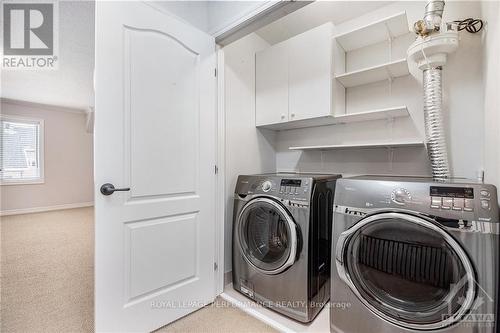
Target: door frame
[[220, 179]]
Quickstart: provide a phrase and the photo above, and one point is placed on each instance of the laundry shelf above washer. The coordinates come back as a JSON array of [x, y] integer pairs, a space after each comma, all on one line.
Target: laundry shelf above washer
[[387, 113], [373, 33], [415, 143], [381, 72]]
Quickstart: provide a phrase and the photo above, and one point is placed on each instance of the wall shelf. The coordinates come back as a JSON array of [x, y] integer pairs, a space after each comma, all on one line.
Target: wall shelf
[[373, 33], [387, 113], [416, 143], [382, 72]]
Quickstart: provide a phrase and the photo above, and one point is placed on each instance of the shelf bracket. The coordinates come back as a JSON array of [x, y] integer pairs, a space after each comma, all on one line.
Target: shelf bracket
[[390, 153], [390, 38]]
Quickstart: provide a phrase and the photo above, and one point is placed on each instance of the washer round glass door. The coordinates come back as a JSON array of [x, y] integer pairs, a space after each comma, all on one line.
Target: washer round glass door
[[267, 236], [407, 270]]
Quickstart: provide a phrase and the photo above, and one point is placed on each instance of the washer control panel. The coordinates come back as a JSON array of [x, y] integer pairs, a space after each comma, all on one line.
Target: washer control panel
[[283, 188], [293, 186]]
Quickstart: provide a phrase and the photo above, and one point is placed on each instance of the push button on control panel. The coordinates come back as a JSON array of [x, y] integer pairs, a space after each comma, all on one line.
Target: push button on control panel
[[485, 204], [458, 203], [435, 202], [485, 193], [447, 203], [469, 205]]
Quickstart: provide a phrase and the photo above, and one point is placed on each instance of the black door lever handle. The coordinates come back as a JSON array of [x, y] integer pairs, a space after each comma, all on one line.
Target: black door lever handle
[[108, 189]]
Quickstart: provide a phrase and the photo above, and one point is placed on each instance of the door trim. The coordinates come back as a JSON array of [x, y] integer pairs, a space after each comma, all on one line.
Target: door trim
[[346, 236], [220, 177]]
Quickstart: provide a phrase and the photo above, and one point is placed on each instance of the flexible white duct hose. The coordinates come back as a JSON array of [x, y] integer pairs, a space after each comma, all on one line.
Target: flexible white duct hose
[[434, 129]]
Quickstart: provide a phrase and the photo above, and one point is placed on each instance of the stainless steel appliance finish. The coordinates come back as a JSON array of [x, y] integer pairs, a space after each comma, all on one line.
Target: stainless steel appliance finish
[[282, 241], [413, 255]]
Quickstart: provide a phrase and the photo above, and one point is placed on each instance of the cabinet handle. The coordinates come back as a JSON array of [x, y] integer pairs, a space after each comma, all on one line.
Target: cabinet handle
[[293, 115], [282, 116]]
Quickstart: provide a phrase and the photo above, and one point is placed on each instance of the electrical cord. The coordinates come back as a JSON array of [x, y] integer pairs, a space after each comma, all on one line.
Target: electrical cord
[[471, 25]]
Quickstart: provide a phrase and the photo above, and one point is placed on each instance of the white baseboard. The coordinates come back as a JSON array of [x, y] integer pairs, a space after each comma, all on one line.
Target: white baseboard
[[45, 209]]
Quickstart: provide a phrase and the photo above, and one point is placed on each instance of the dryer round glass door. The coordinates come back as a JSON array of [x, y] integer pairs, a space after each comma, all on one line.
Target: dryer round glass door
[[407, 270], [267, 235]]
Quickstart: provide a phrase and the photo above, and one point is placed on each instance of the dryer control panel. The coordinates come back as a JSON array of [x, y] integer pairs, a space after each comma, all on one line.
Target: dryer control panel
[[454, 199]]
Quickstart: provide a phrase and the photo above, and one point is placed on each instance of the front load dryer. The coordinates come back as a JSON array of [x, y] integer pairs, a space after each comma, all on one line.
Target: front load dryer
[[282, 241], [414, 255]]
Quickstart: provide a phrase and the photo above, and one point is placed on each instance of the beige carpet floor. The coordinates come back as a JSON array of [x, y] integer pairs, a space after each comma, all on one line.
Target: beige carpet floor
[[47, 279], [48, 271]]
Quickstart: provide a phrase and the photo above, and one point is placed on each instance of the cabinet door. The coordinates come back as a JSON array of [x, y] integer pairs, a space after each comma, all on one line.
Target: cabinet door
[[310, 71], [271, 85]]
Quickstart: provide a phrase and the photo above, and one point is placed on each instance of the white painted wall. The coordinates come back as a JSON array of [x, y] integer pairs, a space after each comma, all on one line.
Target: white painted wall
[[68, 162], [491, 76], [248, 150], [463, 108]]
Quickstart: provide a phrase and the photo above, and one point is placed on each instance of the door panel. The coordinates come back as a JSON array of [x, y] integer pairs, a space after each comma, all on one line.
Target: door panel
[[267, 236], [163, 109], [271, 85], [152, 242], [310, 73], [155, 244]]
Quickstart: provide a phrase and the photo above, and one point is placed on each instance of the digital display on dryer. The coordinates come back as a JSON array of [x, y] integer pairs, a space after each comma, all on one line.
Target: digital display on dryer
[[453, 192], [291, 182]]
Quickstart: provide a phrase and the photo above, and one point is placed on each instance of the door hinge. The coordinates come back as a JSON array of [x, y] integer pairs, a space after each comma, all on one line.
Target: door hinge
[[215, 266], [215, 72], [216, 169]]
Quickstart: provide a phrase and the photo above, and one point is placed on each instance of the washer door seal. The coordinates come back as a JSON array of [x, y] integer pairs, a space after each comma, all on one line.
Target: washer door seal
[[407, 270], [267, 235]]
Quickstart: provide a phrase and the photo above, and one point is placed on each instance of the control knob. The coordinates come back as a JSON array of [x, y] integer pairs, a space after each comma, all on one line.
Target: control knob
[[400, 196], [266, 186]]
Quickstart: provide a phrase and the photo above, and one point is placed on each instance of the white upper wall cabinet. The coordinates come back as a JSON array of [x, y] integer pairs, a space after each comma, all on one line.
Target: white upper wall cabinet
[[309, 83], [271, 87], [294, 86]]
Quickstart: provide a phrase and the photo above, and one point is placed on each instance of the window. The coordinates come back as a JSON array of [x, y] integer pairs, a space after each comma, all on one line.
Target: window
[[21, 150]]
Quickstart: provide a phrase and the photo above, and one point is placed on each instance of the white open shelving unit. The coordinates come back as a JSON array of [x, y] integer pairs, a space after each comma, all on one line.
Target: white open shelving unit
[[388, 113], [373, 33], [398, 144], [381, 72], [376, 32]]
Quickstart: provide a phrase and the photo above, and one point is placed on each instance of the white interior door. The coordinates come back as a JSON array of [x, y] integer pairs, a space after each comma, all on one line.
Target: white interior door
[[155, 133]]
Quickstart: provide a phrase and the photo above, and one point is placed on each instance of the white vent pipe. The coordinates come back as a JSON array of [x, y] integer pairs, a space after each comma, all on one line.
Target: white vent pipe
[[429, 51], [433, 14]]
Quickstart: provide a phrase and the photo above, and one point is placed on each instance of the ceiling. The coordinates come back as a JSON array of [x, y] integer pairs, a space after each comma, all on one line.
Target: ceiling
[[315, 14], [211, 16], [71, 85]]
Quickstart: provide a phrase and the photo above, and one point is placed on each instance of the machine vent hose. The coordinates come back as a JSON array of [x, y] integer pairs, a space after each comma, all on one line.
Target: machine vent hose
[[434, 129]]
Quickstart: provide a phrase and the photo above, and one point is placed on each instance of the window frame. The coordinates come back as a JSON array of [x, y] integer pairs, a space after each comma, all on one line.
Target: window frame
[[41, 146]]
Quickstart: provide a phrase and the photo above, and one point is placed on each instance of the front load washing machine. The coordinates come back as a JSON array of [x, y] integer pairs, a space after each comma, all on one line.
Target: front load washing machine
[[282, 241], [413, 255]]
